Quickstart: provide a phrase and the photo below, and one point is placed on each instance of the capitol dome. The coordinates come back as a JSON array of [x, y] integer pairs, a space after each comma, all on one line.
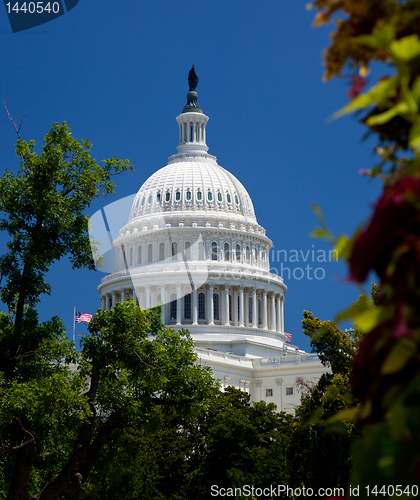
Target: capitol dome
[[189, 183], [192, 244]]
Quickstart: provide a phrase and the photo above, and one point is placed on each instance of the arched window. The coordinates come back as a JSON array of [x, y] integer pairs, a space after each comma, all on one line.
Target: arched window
[[230, 308], [162, 251], [210, 196], [174, 250], [228, 198], [226, 252], [250, 310], [216, 306], [187, 306], [188, 195], [238, 253], [247, 253], [188, 250], [199, 195], [177, 196], [140, 255], [168, 196], [236, 200], [201, 306], [131, 256], [201, 250], [158, 197], [259, 312], [214, 251], [219, 196], [173, 306], [150, 253]]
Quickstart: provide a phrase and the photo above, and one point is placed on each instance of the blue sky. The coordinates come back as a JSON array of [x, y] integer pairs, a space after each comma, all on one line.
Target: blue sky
[[117, 73]]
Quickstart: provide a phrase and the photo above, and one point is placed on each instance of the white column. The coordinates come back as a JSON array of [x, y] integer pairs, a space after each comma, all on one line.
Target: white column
[[279, 394], [235, 308], [241, 306], [273, 313], [162, 299], [194, 307], [227, 323], [106, 302], [278, 328], [103, 302], [210, 301], [282, 314], [178, 304], [258, 390], [147, 293], [122, 294], [247, 295], [264, 310], [254, 307], [194, 132], [114, 299]]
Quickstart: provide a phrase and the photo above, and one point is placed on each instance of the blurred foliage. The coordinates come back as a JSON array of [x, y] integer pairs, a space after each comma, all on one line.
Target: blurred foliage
[[386, 368]]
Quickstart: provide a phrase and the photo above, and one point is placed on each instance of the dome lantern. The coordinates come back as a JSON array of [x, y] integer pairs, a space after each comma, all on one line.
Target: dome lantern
[[192, 121]]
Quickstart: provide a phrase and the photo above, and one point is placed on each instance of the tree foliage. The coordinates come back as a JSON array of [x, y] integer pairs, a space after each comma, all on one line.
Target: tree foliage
[[386, 368], [229, 442], [319, 449], [59, 408]]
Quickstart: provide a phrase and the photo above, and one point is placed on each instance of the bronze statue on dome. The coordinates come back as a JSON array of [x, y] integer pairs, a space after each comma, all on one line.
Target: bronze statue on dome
[[192, 78]]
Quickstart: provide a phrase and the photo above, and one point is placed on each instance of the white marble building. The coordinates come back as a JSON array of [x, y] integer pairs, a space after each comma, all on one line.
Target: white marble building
[[192, 243]]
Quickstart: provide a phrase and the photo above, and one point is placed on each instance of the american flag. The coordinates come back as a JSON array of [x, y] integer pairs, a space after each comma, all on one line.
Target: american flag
[[288, 337], [82, 317]]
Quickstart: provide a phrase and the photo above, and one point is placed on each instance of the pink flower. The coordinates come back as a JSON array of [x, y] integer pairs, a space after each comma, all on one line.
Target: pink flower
[[358, 83]]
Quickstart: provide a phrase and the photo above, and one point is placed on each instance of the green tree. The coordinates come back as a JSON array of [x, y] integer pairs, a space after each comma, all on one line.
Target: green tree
[[319, 450], [55, 421], [229, 442]]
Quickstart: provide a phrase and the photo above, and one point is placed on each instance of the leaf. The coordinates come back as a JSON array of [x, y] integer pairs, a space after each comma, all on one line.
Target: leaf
[[358, 307], [322, 232], [347, 414], [343, 247], [370, 318], [399, 109], [414, 135], [406, 48], [380, 38], [385, 89], [398, 357]]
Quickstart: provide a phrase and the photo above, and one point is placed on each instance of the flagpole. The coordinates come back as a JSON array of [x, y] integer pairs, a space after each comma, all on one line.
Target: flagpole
[[74, 327]]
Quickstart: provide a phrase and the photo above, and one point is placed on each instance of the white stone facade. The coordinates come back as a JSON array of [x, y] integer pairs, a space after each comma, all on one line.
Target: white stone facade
[[192, 243]]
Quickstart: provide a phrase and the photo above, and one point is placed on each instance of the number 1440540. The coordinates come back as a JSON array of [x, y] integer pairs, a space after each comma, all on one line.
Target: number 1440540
[[33, 7]]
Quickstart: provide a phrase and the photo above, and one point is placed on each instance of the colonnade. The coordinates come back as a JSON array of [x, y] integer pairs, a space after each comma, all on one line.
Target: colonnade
[[211, 304], [192, 131]]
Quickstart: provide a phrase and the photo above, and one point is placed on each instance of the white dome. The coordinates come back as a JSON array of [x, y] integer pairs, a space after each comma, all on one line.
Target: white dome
[[193, 183]]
